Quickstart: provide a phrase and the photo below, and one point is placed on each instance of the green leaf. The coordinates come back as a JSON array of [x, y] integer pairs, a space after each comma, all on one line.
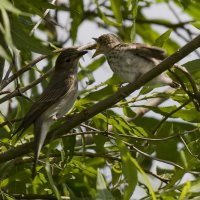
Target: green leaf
[[148, 36], [6, 31], [117, 125], [23, 41], [133, 31], [195, 187], [104, 18], [85, 73], [96, 63], [185, 3], [4, 4], [133, 6], [116, 172], [177, 176], [146, 89], [194, 68], [193, 9], [189, 115], [129, 4], [91, 67], [128, 168], [102, 191], [151, 35], [69, 145], [99, 121], [114, 80], [76, 14], [129, 112], [102, 93], [4, 54], [196, 24], [7, 129], [116, 5], [108, 21], [36, 7], [163, 38], [51, 181]]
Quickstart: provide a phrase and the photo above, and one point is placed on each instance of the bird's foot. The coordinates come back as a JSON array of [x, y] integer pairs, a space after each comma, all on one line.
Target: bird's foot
[[53, 117]]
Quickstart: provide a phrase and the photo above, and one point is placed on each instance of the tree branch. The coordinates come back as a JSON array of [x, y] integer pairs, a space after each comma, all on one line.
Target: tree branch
[[108, 102]]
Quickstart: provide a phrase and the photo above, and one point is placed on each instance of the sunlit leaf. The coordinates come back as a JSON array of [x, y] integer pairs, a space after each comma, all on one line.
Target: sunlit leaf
[[29, 43], [163, 38], [76, 13], [4, 54], [5, 4], [102, 191], [106, 19], [129, 169], [116, 5], [196, 24]]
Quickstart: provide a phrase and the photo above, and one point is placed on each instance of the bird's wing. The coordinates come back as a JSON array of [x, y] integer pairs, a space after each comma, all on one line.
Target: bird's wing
[[147, 51], [50, 95]]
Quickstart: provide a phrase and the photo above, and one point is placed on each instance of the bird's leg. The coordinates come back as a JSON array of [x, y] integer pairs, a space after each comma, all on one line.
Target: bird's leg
[[53, 117], [22, 95]]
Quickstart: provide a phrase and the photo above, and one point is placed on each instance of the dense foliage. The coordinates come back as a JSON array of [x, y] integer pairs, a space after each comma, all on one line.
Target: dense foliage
[[109, 146]]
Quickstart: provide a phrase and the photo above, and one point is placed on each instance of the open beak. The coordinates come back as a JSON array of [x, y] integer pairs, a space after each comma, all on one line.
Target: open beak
[[98, 51]]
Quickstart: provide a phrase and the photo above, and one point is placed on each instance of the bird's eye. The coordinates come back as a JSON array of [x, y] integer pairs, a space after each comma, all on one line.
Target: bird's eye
[[68, 60], [100, 40]]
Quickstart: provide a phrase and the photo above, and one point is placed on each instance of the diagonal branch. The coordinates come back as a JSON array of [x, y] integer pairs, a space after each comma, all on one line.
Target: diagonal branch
[[108, 102]]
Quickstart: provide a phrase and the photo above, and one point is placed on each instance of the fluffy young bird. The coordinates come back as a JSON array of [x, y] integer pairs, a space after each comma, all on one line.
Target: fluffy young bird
[[56, 99], [130, 61]]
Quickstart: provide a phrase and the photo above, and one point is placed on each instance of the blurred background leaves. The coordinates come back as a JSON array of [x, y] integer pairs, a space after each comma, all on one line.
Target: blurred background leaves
[[105, 157]]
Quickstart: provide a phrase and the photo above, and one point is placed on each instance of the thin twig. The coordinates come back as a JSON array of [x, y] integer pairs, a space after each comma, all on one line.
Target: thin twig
[[155, 131], [20, 91], [191, 95], [40, 21], [21, 71], [188, 149], [164, 180], [10, 121], [189, 76], [174, 12], [132, 147], [4, 92], [96, 131], [153, 102]]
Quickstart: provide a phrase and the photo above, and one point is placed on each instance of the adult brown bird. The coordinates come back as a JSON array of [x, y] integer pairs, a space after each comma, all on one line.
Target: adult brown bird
[[55, 101], [130, 61]]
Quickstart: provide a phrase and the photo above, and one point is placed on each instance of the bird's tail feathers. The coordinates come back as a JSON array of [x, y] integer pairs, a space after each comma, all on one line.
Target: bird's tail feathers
[[41, 130]]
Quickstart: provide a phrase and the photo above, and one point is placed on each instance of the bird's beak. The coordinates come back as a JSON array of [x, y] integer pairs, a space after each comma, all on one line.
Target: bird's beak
[[97, 52], [81, 53], [95, 39]]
